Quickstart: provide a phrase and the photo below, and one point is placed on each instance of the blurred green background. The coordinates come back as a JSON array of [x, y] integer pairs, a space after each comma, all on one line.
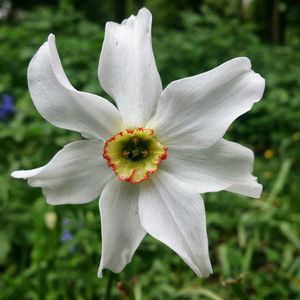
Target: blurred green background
[[51, 252]]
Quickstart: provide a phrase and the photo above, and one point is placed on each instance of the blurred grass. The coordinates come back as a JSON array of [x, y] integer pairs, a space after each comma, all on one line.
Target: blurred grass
[[254, 244]]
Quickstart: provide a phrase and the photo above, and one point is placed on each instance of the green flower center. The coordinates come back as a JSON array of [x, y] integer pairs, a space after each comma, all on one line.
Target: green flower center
[[135, 149]]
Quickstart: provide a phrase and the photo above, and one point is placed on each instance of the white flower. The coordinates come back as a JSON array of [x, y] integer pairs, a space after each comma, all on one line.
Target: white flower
[[169, 143]]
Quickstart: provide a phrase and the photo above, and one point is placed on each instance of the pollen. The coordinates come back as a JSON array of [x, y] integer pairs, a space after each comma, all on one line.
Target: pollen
[[134, 154]]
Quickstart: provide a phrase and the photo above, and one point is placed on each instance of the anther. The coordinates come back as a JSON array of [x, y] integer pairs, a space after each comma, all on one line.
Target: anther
[[135, 140], [145, 153], [125, 153]]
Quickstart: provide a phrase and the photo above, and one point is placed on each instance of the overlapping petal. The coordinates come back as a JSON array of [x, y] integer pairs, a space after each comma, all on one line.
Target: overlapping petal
[[225, 165], [127, 69], [76, 174], [173, 214], [195, 112], [61, 104], [120, 225]]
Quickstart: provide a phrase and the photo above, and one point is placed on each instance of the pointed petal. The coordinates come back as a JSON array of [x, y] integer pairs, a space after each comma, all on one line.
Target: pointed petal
[[121, 229], [223, 166], [76, 174], [127, 69], [250, 189], [60, 104], [175, 215], [196, 111], [25, 174]]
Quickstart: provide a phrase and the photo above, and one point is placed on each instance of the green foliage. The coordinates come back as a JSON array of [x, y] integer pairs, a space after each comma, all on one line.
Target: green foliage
[[254, 244]]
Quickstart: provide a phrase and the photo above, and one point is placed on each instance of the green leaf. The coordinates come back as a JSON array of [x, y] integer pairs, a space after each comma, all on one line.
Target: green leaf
[[4, 246]]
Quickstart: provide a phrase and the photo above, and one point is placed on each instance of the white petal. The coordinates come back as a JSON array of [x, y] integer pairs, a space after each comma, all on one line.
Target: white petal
[[127, 69], [176, 216], [59, 103], [120, 225], [25, 174], [196, 111], [225, 165], [251, 189], [76, 174]]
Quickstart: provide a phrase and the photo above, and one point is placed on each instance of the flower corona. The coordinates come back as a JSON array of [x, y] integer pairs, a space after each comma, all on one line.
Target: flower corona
[[134, 154]]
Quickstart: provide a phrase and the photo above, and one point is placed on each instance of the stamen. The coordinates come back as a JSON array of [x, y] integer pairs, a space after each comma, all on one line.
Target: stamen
[[125, 153], [145, 153], [135, 140]]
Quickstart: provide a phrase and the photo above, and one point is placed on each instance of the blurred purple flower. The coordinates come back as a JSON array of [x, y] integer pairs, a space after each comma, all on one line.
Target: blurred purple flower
[[66, 236], [6, 106]]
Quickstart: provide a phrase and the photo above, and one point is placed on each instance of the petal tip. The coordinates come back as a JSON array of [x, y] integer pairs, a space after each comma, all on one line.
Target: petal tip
[[100, 270], [110, 26], [258, 87], [257, 193], [25, 174], [206, 269], [245, 60], [105, 267], [51, 43], [20, 174], [242, 62], [14, 174], [99, 273], [262, 85], [205, 274], [51, 37], [144, 11]]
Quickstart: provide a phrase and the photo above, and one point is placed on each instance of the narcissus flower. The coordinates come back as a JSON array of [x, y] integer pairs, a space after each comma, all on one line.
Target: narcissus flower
[[150, 158]]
